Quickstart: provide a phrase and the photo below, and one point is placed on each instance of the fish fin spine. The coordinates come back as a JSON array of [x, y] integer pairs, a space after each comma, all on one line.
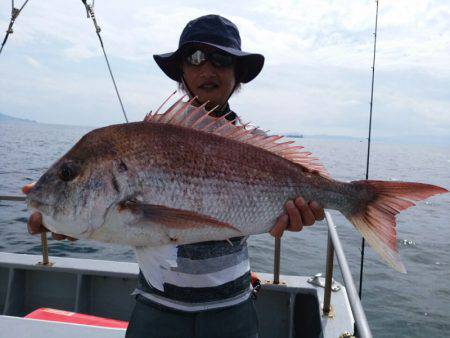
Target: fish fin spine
[[376, 221], [184, 114]]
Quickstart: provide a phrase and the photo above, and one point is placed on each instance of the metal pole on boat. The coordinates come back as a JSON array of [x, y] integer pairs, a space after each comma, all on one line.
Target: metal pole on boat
[[276, 260], [363, 329], [44, 242], [328, 276]]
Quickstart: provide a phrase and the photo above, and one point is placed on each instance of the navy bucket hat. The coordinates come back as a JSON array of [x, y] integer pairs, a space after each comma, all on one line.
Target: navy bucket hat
[[216, 31]]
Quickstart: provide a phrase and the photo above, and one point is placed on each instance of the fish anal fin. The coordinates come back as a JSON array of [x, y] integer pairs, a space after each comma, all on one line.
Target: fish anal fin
[[172, 218]]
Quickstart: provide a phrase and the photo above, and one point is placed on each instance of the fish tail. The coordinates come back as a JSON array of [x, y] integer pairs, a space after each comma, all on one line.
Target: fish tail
[[376, 220]]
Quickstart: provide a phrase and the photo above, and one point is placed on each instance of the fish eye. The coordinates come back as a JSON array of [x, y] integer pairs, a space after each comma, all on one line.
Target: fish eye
[[67, 172]]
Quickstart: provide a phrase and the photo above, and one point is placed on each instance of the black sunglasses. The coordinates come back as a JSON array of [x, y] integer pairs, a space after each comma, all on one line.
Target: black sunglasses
[[218, 59]]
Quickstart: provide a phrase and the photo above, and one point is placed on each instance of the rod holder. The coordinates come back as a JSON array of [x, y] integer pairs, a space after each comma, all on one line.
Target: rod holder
[[328, 276], [276, 261], [44, 242]]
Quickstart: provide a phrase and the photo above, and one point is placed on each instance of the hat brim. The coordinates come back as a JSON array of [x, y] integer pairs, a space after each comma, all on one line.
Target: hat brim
[[249, 64]]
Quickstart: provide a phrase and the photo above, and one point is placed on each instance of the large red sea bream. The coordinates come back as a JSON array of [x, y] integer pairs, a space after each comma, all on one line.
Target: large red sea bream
[[184, 176]]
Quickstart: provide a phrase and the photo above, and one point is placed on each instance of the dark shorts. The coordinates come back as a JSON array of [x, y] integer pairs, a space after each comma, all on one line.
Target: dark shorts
[[150, 320]]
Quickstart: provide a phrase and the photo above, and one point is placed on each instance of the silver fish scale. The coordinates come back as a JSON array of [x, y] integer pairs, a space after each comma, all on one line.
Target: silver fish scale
[[252, 208]]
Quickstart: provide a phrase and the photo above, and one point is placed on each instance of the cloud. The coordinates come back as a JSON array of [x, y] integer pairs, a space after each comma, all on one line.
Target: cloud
[[316, 78], [32, 62]]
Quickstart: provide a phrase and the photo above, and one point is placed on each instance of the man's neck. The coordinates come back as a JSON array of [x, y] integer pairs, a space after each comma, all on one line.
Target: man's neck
[[220, 111], [225, 109]]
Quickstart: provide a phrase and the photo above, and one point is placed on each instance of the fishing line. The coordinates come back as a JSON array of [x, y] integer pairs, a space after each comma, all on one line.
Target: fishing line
[[14, 14], [90, 14], [369, 139]]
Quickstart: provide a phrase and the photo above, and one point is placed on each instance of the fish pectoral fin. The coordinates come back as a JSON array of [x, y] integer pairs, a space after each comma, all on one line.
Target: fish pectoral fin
[[171, 217]]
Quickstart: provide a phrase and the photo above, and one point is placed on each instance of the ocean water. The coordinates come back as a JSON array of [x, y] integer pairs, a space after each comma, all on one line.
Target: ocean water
[[416, 304]]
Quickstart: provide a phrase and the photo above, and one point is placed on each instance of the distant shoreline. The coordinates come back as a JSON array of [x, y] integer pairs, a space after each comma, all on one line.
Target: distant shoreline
[[8, 118]]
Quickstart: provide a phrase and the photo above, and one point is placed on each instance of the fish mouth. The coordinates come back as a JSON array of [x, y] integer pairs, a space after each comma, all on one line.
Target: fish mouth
[[56, 226], [36, 208], [51, 223]]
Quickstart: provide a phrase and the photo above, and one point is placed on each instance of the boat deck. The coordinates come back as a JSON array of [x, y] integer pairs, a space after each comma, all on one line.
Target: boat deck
[[102, 288]]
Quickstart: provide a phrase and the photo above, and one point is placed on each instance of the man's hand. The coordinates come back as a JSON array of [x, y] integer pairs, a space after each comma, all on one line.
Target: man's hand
[[35, 225], [298, 214]]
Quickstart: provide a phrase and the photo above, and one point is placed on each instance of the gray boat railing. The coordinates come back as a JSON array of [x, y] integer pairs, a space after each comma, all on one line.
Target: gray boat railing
[[334, 246]]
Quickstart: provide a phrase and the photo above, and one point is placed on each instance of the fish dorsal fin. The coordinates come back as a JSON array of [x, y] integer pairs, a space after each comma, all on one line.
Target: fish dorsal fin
[[184, 114]]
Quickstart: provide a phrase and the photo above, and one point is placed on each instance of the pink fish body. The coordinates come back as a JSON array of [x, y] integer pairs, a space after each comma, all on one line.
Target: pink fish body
[[184, 177]]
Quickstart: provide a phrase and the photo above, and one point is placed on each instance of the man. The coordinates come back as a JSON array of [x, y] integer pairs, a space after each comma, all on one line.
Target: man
[[203, 289]]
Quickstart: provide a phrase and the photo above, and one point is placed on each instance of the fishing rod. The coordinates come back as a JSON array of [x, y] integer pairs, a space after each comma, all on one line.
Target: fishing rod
[[14, 14], [13, 198], [90, 14], [369, 139], [363, 242]]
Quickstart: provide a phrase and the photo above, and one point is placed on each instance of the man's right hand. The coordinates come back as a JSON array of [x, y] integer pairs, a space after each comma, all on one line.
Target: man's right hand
[[35, 225]]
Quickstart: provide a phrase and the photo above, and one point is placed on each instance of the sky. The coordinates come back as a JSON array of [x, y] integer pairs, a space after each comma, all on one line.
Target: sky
[[316, 79]]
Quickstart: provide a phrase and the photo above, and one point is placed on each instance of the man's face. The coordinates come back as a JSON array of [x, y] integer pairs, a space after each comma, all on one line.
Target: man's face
[[209, 82]]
